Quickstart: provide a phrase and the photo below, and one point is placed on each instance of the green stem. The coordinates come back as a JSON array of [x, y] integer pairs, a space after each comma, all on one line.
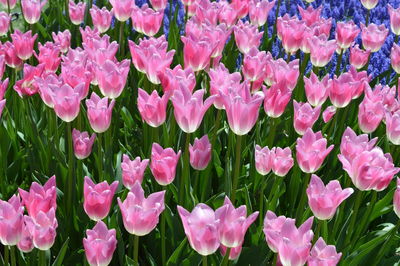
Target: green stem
[[225, 261], [9, 12], [100, 157], [185, 171], [121, 37], [274, 194], [261, 215], [163, 250], [6, 255], [325, 234], [276, 18], [339, 62], [317, 231], [356, 206], [204, 260], [216, 127], [12, 253], [300, 208], [288, 58], [396, 39], [237, 168], [42, 258], [71, 176], [383, 250], [272, 131], [136, 249], [367, 17]]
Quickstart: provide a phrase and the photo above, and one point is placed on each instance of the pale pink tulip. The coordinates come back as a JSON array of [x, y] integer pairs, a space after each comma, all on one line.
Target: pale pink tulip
[[394, 14], [76, 12], [253, 64], [5, 20], [395, 58], [393, 127], [27, 85], [67, 100], [290, 31], [133, 171], [146, 20], [304, 116], [317, 91], [329, 112], [321, 50], [276, 99], [358, 57], [153, 108], [373, 36], [342, 89], [11, 221], [197, 51], [101, 18], [246, 36], [322, 254], [23, 43], [112, 78], [370, 115], [163, 164], [62, 39], [172, 79], [25, 244], [200, 153], [43, 229], [122, 9], [32, 9], [282, 161], [82, 143], [346, 32], [264, 158], [396, 199], [259, 11], [99, 112], [49, 55], [10, 54]]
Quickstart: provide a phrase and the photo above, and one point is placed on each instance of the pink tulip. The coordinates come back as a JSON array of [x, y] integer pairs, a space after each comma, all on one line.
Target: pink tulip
[[351, 145], [197, 52], [311, 151], [146, 20], [361, 80], [290, 31], [282, 161], [2, 68], [396, 199], [3, 88], [322, 254], [100, 244], [253, 64], [383, 94], [284, 72], [112, 78], [346, 32], [100, 50], [141, 52], [393, 127], [369, 4], [218, 36], [139, 214], [172, 79], [89, 34], [25, 244], [66, 102], [133, 171], [76, 68], [10, 54], [395, 58], [233, 223], [28, 85], [227, 14], [101, 18], [242, 109], [11, 221], [5, 20], [43, 229], [32, 9], [189, 109], [99, 112], [201, 228], [2, 105], [49, 55], [153, 108], [246, 36], [159, 5], [98, 198], [200, 153], [329, 112], [324, 200], [276, 99], [163, 164], [76, 12], [259, 10], [358, 57], [310, 15], [264, 158], [304, 116], [394, 14], [82, 144], [317, 91], [370, 115], [273, 226], [241, 7], [373, 36], [48, 84], [342, 89], [63, 40], [23, 43], [206, 11], [321, 50], [122, 9], [234, 254], [6, 3]]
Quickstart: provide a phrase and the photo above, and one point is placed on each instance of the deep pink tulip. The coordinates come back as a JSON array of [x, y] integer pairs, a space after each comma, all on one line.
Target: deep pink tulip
[[98, 198], [321, 50], [122, 9], [369, 4], [23, 43], [10, 54], [140, 215], [247, 36], [373, 36], [394, 14], [43, 229], [197, 52], [227, 14], [25, 244], [264, 158], [200, 153], [82, 143], [311, 151], [233, 223], [100, 244], [370, 115], [6, 3], [201, 228], [393, 127], [395, 58], [11, 221], [67, 100], [284, 72], [27, 85], [153, 108], [346, 32], [163, 164], [259, 11], [317, 91], [329, 112], [310, 15], [49, 55], [396, 199], [62, 39], [242, 109], [276, 99], [290, 31], [322, 254], [172, 79], [101, 18], [146, 20], [253, 64], [282, 161], [32, 9], [342, 89], [76, 12], [5, 20], [304, 116], [133, 171], [358, 57], [234, 254], [99, 112], [324, 200], [112, 78], [189, 109]]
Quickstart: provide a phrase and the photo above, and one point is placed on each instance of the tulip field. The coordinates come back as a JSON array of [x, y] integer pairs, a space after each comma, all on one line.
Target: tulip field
[[199, 132]]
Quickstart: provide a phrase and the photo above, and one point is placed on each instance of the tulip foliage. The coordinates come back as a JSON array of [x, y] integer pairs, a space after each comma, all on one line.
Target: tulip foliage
[[243, 132]]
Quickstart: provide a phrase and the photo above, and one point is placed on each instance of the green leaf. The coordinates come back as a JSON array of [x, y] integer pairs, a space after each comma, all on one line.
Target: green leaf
[[60, 257], [174, 259]]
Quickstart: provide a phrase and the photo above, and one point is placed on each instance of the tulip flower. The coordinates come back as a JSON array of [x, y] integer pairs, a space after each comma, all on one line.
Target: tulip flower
[[206, 11], [290, 31], [329, 112], [67, 102], [112, 78], [10, 3], [304, 116], [3, 88], [10, 54], [122, 9], [11, 221], [82, 143], [246, 36], [141, 52], [2, 68], [370, 115], [234, 254], [98, 198], [99, 112], [101, 18], [264, 158], [311, 151], [342, 89], [310, 15], [100, 244], [76, 12], [351, 145], [369, 4], [317, 91], [346, 32], [241, 7], [146, 20], [197, 51], [200, 153], [189, 109], [31, 10], [2, 105], [25, 244], [163, 164], [394, 14], [172, 79], [201, 228], [282, 161], [5, 20], [321, 253], [43, 229], [286, 73], [153, 108], [393, 127], [358, 57], [253, 64], [321, 50], [40, 198], [159, 4], [63, 40], [132, 171], [27, 85], [276, 99], [395, 58], [23, 43], [47, 87], [227, 13], [324, 200], [373, 36], [396, 199], [273, 227], [49, 55], [259, 10], [139, 214]]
